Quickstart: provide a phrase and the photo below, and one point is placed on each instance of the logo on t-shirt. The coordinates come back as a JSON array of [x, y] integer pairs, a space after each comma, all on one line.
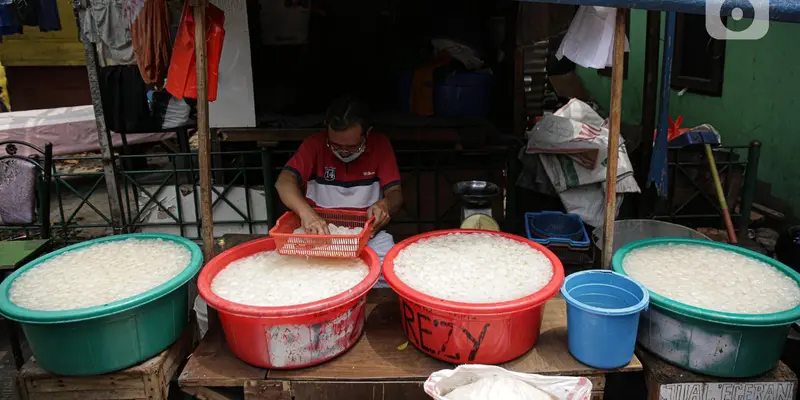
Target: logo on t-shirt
[[330, 173]]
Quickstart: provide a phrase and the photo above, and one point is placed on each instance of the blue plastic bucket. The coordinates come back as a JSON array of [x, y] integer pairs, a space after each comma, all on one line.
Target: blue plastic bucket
[[603, 316], [463, 95]]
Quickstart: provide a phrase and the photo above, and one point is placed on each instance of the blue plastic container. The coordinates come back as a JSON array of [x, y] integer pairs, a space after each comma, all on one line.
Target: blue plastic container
[[463, 95], [558, 229], [603, 316]]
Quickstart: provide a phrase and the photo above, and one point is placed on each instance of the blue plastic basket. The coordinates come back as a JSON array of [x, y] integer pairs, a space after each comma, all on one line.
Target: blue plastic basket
[[603, 316], [554, 228]]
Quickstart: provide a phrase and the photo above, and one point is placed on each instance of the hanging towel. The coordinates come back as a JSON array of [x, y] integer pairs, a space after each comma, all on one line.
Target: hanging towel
[[150, 36], [17, 192]]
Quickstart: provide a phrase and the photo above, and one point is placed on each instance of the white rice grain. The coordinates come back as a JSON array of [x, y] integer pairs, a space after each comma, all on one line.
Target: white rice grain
[[335, 230], [99, 274], [268, 279], [473, 268], [712, 278]]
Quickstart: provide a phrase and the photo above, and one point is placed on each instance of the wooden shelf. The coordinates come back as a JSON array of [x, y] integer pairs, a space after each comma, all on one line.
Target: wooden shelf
[[374, 365], [147, 381]]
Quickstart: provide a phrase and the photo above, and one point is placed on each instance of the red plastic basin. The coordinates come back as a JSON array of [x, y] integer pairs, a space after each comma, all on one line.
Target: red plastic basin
[[464, 333], [289, 337]]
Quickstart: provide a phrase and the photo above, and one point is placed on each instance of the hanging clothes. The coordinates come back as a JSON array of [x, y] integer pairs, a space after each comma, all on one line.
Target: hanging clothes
[[27, 12], [48, 18], [39, 13], [9, 18], [131, 9], [150, 36], [105, 23], [17, 189], [182, 75], [124, 95]]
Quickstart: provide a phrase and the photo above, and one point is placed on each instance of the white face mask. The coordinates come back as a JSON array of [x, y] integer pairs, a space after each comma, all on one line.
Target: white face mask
[[346, 156]]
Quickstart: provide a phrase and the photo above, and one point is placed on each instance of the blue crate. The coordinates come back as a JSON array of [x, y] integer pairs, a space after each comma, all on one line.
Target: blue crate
[[554, 228]]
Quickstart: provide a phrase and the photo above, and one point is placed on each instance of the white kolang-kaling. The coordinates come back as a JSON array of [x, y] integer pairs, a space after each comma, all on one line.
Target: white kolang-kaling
[[99, 274], [268, 279], [335, 230], [712, 278], [473, 268]]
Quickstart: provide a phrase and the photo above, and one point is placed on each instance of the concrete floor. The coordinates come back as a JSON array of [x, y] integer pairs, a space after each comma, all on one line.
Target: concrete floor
[[70, 202], [86, 214]]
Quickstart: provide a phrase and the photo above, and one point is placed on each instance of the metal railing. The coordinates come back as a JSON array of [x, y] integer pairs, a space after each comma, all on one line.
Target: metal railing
[[689, 170], [166, 199]]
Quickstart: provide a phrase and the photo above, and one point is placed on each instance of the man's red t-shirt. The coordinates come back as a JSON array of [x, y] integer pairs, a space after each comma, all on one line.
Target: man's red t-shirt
[[331, 183]]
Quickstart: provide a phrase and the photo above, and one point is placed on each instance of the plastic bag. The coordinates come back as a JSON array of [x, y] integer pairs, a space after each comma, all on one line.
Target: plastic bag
[[182, 75], [440, 383]]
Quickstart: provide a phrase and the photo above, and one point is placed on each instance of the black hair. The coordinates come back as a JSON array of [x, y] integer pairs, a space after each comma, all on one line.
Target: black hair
[[345, 112]]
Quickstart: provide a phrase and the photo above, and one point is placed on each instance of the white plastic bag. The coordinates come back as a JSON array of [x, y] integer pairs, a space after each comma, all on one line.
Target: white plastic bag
[[178, 114], [440, 383], [572, 145]]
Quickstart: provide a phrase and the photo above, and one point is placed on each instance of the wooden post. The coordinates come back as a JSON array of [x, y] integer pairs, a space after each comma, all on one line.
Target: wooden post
[[203, 135], [613, 137], [103, 136]]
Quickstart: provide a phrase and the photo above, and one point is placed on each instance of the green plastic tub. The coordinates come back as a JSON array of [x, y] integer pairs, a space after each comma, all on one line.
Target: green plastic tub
[[710, 342], [101, 339]]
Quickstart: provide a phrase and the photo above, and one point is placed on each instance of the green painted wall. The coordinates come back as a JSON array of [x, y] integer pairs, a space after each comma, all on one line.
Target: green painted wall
[[760, 99]]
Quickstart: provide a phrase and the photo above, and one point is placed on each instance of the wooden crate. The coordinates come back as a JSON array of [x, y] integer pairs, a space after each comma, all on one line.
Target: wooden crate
[[668, 382], [374, 369], [147, 381]]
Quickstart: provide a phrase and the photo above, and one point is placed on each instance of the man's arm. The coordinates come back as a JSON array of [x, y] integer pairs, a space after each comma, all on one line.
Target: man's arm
[[389, 177], [394, 198], [289, 191], [383, 209]]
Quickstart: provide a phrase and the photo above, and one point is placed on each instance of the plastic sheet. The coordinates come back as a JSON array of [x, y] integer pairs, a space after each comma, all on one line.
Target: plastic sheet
[[182, 75]]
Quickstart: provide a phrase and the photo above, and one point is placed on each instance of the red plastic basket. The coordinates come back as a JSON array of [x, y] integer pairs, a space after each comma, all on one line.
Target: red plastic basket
[[289, 243]]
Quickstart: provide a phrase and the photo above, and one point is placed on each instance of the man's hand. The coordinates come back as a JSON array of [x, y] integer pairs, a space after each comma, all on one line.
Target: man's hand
[[313, 223], [379, 210]]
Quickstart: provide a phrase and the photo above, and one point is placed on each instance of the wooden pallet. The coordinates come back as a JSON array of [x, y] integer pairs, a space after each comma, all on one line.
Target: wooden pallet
[[147, 381], [374, 369], [668, 382]]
